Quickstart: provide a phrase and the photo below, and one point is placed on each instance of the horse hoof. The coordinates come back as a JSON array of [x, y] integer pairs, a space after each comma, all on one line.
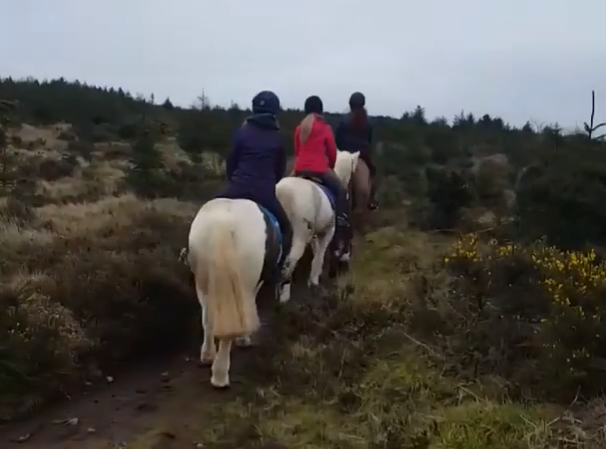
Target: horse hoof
[[343, 267], [345, 258], [243, 342], [206, 358], [219, 385], [315, 289], [285, 294]]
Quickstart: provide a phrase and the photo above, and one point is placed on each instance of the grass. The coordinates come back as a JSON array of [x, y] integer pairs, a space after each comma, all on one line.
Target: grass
[[345, 371]]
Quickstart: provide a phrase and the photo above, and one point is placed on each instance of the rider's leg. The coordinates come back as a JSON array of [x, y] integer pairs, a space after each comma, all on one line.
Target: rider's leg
[[331, 180], [276, 208]]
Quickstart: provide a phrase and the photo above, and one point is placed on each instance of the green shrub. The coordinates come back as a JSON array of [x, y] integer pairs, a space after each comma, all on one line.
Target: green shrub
[[534, 314]]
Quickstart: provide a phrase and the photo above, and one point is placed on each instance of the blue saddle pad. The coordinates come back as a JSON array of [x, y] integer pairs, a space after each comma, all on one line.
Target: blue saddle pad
[[329, 194], [271, 218]]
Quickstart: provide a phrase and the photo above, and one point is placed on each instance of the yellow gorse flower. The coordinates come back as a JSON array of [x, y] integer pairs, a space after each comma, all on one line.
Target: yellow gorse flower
[[574, 282], [563, 274]]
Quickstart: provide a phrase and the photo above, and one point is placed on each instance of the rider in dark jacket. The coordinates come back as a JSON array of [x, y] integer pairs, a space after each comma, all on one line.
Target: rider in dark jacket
[[257, 162], [354, 133]]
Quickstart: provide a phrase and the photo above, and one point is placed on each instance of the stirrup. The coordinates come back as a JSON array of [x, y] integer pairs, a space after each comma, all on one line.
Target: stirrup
[[183, 254], [342, 221]]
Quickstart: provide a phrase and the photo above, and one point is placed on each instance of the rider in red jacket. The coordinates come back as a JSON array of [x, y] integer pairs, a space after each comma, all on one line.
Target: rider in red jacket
[[315, 156], [318, 153]]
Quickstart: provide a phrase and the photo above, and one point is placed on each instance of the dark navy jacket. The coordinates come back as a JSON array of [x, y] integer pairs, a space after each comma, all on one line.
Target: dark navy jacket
[[257, 160], [351, 140]]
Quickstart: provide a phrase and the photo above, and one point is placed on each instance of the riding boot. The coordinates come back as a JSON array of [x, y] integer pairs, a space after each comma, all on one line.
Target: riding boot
[[342, 231]]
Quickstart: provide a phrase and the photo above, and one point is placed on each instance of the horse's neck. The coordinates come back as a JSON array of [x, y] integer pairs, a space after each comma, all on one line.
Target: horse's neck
[[345, 178], [343, 171]]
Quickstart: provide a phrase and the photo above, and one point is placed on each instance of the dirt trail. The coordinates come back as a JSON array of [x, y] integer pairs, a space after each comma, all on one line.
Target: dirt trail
[[149, 406], [114, 414]]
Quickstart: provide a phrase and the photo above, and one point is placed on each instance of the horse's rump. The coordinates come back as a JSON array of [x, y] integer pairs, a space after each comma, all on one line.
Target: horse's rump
[[226, 255], [305, 203]]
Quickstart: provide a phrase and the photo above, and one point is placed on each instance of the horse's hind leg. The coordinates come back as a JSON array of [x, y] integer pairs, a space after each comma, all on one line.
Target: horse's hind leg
[[319, 246], [299, 242], [220, 369], [246, 340], [208, 349]]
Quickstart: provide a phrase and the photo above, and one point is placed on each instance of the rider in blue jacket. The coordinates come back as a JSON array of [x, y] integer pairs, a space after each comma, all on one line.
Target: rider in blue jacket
[[257, 162]]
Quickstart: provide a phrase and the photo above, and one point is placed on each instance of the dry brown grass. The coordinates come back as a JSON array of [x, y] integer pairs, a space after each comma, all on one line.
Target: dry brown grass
[[88, 269], [92, 180], [49, 136]]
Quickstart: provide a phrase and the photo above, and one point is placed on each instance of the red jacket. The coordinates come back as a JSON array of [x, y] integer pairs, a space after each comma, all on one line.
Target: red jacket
[[319, 152]]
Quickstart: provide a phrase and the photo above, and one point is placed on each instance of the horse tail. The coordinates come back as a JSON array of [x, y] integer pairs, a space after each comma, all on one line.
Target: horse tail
[[231, 305], [306, 125]]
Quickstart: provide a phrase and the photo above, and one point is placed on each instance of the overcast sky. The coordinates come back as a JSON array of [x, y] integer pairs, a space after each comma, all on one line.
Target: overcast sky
[[520, 59]]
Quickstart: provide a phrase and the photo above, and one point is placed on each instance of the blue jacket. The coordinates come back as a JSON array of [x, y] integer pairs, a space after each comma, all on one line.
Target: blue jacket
[[351, 140], [257, 160]]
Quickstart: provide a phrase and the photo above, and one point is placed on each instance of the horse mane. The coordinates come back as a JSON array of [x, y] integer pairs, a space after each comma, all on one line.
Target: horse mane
[[306, 125]]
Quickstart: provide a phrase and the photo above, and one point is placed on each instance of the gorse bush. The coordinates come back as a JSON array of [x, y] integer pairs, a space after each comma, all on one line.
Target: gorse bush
[[563, 202], [449, 191], [550, 302]]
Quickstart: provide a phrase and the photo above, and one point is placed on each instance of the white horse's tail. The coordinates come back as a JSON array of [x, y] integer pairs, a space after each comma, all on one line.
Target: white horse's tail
[[231, 310]]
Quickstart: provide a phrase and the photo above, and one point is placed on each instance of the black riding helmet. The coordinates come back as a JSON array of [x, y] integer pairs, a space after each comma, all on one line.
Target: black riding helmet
[[313, 105], [266, 102], [357, 100]]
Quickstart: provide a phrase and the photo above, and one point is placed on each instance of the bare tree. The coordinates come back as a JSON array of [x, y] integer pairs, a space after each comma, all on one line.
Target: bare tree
[[590, 128]]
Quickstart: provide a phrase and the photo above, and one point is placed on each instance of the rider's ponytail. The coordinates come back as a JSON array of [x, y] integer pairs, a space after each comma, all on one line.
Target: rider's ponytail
[[306, 126], [313, 106], [359, 118]]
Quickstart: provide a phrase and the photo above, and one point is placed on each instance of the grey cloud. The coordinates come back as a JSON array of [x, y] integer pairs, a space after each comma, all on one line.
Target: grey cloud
[[532, 59]]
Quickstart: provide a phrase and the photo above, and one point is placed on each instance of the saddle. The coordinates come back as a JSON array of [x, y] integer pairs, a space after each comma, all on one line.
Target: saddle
[[310, 177], [318, 181]]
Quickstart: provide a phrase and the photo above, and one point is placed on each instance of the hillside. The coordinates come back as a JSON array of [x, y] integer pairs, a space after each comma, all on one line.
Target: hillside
[[473, 317]]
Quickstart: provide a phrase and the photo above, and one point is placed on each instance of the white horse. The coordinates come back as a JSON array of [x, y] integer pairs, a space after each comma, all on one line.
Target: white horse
[[228, 254], [311, 215]]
